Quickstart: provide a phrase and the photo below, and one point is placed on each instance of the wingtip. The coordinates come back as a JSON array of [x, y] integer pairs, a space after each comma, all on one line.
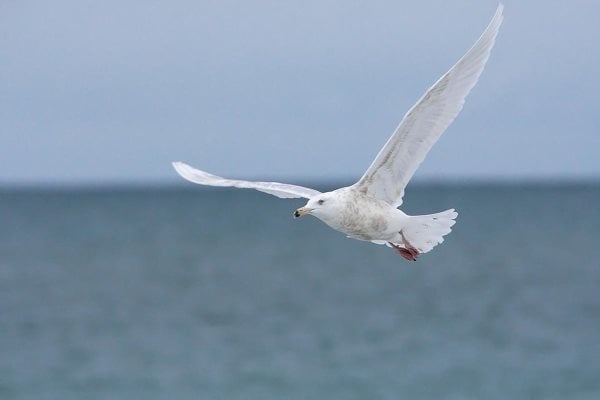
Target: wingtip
[[499, 13], [179, 168], [178, 165], [194, 175]]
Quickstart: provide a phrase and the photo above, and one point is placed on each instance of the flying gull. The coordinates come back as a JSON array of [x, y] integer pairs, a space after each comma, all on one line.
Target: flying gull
[[368, 210]]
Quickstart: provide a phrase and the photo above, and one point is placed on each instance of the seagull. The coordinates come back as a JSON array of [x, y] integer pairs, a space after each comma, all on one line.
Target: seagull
[[368, 209]]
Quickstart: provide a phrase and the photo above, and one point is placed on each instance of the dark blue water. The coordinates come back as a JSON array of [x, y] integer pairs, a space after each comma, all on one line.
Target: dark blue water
[[195, 294]]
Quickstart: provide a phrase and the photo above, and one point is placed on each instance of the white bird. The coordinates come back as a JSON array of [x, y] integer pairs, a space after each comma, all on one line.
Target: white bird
[[368, 210]]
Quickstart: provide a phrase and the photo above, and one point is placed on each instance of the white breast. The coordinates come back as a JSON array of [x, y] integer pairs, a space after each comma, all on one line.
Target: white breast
[[363, 217]]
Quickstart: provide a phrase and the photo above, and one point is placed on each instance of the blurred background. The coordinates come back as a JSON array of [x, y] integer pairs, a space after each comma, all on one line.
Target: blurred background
[[114, 91], [119, 280]]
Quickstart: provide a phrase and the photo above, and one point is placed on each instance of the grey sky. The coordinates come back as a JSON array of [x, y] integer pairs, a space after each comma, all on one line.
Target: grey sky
[[114, 91]]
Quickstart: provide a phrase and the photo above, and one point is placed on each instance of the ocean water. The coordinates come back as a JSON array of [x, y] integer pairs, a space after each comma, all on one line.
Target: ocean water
[[220, 294]]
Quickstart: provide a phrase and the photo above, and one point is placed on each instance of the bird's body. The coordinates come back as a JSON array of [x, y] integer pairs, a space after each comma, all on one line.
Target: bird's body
[[362, 217], [368, 210]]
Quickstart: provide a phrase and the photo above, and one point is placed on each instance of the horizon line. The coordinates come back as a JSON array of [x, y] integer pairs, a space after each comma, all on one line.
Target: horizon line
[[124, 185]]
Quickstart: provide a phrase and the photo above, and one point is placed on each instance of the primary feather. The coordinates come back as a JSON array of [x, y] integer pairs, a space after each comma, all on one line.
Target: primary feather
[[282, 190]]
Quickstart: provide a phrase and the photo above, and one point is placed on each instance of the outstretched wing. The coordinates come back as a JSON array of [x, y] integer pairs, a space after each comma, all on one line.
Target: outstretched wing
[[282, 190], [424, 123]]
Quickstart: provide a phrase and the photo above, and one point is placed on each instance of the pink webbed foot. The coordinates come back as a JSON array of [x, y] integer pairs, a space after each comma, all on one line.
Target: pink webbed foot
[[409, 253]]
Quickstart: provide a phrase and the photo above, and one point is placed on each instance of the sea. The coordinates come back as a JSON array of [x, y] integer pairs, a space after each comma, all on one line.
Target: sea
[[191, 293]]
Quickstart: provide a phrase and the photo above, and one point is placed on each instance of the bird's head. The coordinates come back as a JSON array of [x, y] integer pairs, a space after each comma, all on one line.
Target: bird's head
[[320, 206]]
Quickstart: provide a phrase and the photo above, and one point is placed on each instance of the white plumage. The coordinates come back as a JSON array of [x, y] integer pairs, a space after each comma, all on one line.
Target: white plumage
[[281, 190], [368, 210], [425, 122]]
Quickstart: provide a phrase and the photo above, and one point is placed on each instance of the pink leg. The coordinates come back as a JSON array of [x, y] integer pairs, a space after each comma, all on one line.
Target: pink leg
[[408, 252]]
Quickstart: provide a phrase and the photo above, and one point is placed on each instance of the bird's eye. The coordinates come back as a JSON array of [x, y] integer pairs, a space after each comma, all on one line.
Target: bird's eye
[[321, 201]]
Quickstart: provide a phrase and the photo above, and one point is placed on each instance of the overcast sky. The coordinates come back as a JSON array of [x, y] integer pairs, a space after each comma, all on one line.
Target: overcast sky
[[113, 91]]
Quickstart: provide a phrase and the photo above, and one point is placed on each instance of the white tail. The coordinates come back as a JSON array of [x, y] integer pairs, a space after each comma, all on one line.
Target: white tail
[[424, 232]]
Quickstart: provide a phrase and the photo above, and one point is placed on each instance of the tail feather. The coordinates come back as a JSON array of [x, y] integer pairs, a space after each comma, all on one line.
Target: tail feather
[[424, 232]]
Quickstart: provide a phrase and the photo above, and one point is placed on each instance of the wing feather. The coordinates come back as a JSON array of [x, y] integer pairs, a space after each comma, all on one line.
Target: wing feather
[[281, 190], [394, 166]]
